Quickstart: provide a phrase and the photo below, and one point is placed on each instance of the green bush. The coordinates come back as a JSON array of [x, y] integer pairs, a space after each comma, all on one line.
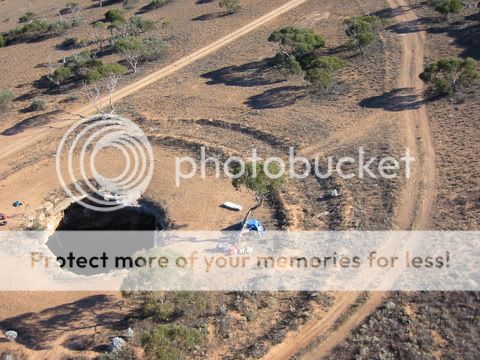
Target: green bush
[[105, 70], [170, 341], [6, 98], [447, 7], [39, 28], [297, 41], [115, 15], [321, 71], [69, 43], [363, 31], [232, 6], [129, 4], [155, 4], [287, 64], [160, 311], [138, 25], [38, 104], [256, 179], [450, 75], [3, 42], [29, 16], [61, 75]]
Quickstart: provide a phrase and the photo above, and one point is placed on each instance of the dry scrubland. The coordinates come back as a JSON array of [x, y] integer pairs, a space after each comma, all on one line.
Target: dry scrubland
[[232, 101], [433, 325]]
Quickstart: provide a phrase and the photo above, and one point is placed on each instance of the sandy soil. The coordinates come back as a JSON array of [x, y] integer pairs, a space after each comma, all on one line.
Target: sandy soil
[[220, 96]]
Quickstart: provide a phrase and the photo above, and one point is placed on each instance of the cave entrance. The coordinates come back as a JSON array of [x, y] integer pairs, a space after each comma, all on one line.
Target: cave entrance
[[87, 233]]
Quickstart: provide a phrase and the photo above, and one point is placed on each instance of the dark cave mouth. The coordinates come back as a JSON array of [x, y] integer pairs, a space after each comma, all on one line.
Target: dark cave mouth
[[131, 218], [89, 234]]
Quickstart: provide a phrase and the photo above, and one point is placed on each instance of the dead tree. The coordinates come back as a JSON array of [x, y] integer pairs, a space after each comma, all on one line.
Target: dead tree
[[94, 94]]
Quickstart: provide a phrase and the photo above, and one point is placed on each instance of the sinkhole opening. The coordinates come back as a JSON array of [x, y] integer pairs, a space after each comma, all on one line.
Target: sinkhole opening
[[89, 242]]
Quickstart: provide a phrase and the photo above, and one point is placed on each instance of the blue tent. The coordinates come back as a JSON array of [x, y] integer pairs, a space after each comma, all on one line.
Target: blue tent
[[254, 225]]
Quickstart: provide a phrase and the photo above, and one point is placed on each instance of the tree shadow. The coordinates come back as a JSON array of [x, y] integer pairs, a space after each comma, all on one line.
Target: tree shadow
[[211, 16], [255, 73], [388, 13], [394, 100], [276, 98], [414, 26], [201, 2], [150, 7], [37, 330], [104, 3], [468, 37]]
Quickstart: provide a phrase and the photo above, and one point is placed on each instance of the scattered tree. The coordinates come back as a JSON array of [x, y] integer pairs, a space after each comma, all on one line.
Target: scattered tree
[[170, 341], [115, 15], [2, 41], [137, 50], [99, 35], [27, 17], [297, 41], [60, 75], [288, 64], [259, 178], [6, 98], [450, 75], [133, 49], [129, 4], [298, 56], [93, 93], [38, 29], [38, 104], [138, 25], [103, 71], [363, 31], [447, 7], [321, 71], [155, 4], [232, 6]]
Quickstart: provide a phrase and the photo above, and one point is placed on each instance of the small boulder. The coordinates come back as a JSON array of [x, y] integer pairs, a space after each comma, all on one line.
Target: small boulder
[[117, 344], [11, 335]]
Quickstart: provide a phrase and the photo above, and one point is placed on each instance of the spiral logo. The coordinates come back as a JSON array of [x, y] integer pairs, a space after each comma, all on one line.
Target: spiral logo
[[76, 162]]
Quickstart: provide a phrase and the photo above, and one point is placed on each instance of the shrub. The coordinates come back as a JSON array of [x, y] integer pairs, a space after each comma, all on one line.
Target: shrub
[[297, 41], [104, 70], [447, 7], [61, 75], [321, 71], [39, 28], [256, 179], [287, 64], [155, 4], [138, 25], [232, 6], [28, 16], [69, 43], [38, 104], [115, 15], [160, 311], [154, 46], [363, 31], [448, 76], [3, 42], [170, 341], [6, 98], [129, 4], [61, 26]]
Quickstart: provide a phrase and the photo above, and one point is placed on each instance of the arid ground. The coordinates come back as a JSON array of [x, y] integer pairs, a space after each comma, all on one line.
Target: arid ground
[[214, 87]]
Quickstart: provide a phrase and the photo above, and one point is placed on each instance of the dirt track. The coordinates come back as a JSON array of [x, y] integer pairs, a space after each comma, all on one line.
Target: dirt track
[[12, 144], [413, 213]]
